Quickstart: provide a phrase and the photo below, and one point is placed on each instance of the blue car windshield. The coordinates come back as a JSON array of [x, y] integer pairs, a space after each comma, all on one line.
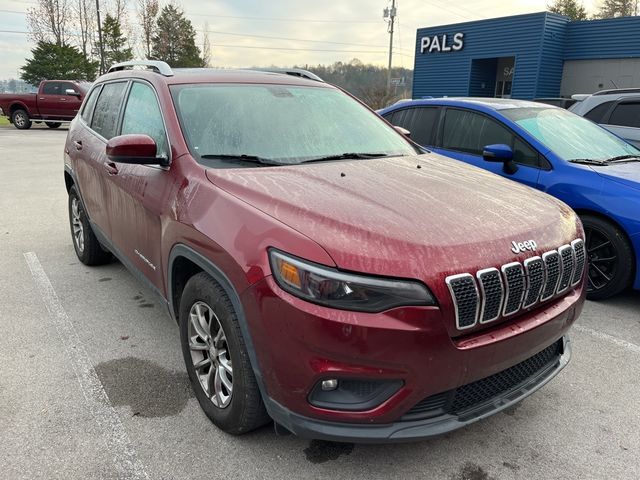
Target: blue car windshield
[[569, 136]]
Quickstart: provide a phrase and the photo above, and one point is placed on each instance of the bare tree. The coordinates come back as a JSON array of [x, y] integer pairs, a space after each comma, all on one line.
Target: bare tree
[[147, 13], [206, 46], [48, 21], [85, 21], [618, 8]]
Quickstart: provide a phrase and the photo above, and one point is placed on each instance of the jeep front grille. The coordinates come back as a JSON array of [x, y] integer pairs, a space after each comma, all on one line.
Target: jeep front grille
[[495, 293]]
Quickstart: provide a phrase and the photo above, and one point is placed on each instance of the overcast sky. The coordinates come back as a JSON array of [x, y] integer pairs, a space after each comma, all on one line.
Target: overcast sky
[[311, 31]]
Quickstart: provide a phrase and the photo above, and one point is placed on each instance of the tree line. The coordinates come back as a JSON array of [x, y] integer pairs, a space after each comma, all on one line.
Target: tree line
[[68, 44], [575, 10]]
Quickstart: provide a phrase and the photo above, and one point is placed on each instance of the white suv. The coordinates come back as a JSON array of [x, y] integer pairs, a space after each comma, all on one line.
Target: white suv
[[616, 110]]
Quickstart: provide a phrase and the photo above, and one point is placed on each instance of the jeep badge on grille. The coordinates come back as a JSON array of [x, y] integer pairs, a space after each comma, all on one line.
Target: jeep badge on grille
[[530, 245]]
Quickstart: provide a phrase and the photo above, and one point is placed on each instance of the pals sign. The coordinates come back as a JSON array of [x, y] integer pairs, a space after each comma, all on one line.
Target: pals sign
[[440, 43]]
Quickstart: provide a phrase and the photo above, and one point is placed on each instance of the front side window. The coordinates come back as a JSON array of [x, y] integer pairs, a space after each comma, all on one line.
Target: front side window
[[105, 114], [283, 123], [87, 110], [626, 115], [52, 88], [570, 136], [142, 115], [597, 114], [420, 121]]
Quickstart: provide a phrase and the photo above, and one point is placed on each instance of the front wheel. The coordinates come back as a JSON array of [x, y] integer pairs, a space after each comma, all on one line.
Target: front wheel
[[53, 124], [216, 358], [21, 120], [610, 258]]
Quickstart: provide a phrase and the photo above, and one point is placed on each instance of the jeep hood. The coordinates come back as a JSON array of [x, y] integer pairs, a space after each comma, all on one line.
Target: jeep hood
[[416, 217]]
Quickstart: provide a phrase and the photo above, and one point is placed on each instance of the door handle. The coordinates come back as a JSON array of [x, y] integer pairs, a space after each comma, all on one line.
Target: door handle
[[63, 99], [77, 144], [111, 168]]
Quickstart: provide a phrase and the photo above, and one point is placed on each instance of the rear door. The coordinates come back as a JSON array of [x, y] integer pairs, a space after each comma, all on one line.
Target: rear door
[[464, 134], [140, 193], [89, 143]]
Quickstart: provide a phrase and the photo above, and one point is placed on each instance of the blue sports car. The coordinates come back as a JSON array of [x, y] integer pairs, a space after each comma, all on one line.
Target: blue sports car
[[553, 150]]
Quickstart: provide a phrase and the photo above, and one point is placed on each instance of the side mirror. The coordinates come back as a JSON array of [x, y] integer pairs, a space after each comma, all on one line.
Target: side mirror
[[500, 153], [135, 149], [402, 131], [72, 92]]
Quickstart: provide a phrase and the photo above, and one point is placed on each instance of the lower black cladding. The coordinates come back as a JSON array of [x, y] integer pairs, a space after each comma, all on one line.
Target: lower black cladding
[[463, 400]]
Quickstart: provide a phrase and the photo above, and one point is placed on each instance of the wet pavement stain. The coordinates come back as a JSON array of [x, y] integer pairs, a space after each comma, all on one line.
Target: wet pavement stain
[[148, 389], [138, 297], [471, 471], [320, 451], [146, 305], [105, 279], [511, 411]]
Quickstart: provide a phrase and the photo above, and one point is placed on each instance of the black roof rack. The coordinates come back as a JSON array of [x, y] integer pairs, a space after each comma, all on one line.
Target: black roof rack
[[617, 90], [157, 66], [295, 72]]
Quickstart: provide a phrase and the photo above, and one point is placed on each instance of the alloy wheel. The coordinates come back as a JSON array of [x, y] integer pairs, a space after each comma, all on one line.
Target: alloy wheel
[[602, 257], [20, 120], [76, 225], [210, 354]]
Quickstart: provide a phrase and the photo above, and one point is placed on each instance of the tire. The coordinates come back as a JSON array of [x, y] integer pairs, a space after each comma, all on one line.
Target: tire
[[610, 257], [53, 124], [21, 120], [85, 243], [235, 410]]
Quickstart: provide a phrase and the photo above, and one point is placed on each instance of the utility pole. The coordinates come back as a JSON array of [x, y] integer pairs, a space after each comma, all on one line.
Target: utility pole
[[100, 37], [390, 13]]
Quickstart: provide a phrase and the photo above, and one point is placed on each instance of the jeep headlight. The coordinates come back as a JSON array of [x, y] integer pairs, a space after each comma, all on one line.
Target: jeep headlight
[[346, 291]]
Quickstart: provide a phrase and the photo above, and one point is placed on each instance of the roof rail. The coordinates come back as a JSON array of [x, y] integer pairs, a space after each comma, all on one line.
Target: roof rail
[[156, 65], [294, 72], [617, 90]]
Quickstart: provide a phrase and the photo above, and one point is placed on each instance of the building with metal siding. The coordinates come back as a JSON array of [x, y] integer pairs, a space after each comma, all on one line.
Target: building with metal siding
[[527, 56]]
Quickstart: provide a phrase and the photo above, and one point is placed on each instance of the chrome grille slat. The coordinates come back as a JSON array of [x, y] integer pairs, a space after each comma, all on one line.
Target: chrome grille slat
[[493, 293], [552, 268], [466, 299], [514, 281], [579, 256], [566, 258], [534, 271]]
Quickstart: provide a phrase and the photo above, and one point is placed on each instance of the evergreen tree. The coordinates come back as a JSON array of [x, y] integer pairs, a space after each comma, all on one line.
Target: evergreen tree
[[57, 62], [618, 8], [174, 40], [115, 50], [569, 8]]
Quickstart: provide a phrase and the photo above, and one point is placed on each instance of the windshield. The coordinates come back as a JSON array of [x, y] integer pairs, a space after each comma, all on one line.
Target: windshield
[[569, 136], [281, 123]]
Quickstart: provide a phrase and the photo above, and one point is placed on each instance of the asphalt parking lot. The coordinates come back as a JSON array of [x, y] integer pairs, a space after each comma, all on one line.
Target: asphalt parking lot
[[92, 382]]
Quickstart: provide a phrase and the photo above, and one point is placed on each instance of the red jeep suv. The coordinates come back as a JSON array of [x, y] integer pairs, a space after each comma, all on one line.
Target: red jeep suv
[[324, 271]]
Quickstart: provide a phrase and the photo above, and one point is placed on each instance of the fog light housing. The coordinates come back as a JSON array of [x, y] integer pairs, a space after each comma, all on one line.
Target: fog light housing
[[352, 394]]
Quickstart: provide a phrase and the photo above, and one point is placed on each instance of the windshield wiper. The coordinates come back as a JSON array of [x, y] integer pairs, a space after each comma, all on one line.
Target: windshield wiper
[[241, 158], [347, 156], [589, 161], [624, 157]]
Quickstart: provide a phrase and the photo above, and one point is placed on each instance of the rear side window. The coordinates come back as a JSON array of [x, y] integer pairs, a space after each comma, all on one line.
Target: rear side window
[[420, 121], [87, 110], [105, 115], [626, 115], [52, 88], [142, 115], [597, 114]]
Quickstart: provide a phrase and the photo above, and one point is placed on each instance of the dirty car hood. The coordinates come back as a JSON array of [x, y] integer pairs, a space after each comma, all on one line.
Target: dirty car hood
[[389, 217]]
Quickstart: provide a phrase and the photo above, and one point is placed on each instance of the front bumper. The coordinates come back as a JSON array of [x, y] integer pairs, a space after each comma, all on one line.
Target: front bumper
[[298, 344], [404, 431]]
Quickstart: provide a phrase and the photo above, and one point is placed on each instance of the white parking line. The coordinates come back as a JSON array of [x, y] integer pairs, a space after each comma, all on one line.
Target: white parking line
[[609, 338], [125, 456]]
